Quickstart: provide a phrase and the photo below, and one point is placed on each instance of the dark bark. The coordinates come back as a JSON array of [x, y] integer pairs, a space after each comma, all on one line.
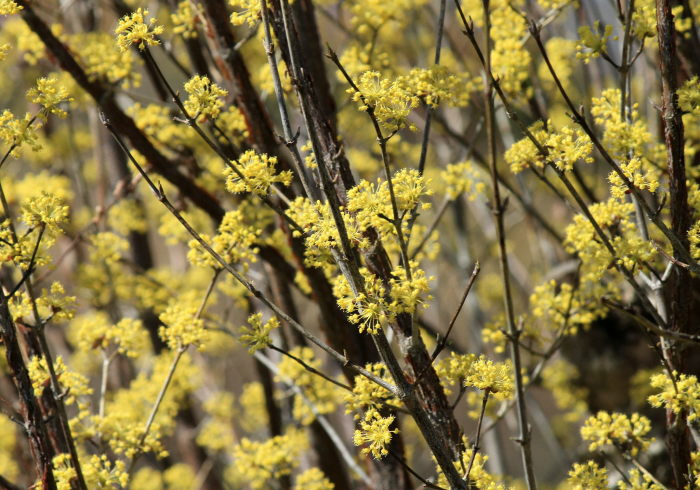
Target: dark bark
[[33, 420], [678, 293]]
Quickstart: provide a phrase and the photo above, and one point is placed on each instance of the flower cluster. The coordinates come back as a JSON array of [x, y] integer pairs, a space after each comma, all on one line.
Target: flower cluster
[[204, 98], [496, 378], [132, 29], [374, 430], [260, 462], [588, 476], [681, 397], [628, 434], [255, 172], [389, 100], [256, 335], [182, 325], [50, 96], [593, 42], [564, 147]]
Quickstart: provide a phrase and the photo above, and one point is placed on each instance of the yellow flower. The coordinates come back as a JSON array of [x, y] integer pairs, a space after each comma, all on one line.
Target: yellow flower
[[204, 98], [374, 430], [588, 476], [255, 335], [132, 29], [686, 399], [47, 210], [496, 377], [8, 7], [182, 325], [258, 171], [49, 95], [628, 434]]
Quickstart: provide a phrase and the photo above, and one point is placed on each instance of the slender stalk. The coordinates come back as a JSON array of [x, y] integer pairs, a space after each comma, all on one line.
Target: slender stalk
[[498, 211], [477, 439], [159, 399]]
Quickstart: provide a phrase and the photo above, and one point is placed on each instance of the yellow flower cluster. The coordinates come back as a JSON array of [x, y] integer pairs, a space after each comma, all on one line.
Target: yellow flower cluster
[[438, 84], [368, 16], [694, 239], [587, 476], [95, 330], [478, 476], [182, 325], [204, 98], [390, 101], [47, 210], [256, 335], [216, 433], [50, 96], [317, 391], [260, 462], [560, 306], [245, 12], [258, 171], [100, 472], [628, 434], [593, 42], [102, 60], [234, 243], [367, 394], [312, 479], [454, 369], [17, 132], [631, 250], [495, 377], [686, 399], [374, 430], [565, 146], [185, 19], [73, 384], [132, 29], [463, 178], [639, 480], [127, 410], [8, 7]]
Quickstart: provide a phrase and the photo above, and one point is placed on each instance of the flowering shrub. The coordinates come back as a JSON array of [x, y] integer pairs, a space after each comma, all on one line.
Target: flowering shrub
[[319, 245]]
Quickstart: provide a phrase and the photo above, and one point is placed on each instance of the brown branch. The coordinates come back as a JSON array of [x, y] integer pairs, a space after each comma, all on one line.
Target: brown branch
[[680, 295]]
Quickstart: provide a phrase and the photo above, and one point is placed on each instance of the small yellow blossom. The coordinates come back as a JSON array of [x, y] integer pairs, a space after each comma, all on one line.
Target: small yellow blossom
[[182, 327], [185, 19], [463, 178], [8, 7], [256, 335], [389, 100], [312, 479], [245, 12], [374, 430], [593, 42], [628, 434], [204, 98], [258, 171], [686, 399], [495, 377], [260, 462], [47, 210], [133, 29], [49, 95], [588, 476]]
